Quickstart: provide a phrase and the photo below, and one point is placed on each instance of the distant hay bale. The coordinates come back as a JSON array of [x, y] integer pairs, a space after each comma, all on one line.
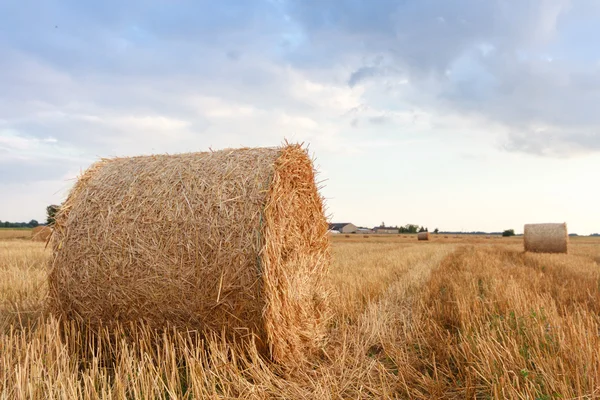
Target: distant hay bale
[[41, 233], [366, 236], [347, 236], [231, 241], [423, 236], [546, 238]]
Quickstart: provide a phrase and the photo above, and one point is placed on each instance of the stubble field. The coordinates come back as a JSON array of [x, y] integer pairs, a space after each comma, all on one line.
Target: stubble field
[[453, 317]]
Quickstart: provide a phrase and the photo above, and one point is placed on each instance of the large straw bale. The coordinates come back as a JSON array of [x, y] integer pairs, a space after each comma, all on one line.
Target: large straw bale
[[41, 233], [546, 238], [423, 236], [231, 241]]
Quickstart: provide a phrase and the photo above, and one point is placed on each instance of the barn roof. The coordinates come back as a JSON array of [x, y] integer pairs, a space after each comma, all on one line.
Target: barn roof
[[338, 226]]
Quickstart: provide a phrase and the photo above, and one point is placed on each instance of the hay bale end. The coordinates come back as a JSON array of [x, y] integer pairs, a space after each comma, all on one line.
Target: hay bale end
[[546, 238], [423, 236]]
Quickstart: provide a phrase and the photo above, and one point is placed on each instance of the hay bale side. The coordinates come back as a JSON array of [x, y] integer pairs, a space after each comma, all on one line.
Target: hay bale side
[[423, 236], [546, 238], [41, 233], [231, 241]]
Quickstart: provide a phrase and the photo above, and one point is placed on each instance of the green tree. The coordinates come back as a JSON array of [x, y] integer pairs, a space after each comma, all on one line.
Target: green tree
[[51, 211], [409, 228], [508, 232], [436, 231], [33, 223]]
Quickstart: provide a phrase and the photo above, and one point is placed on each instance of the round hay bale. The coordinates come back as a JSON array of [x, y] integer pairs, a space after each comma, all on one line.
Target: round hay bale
[[546, 238], [423, 236], [41, 233], [347, 236], [366, 236], [231, 241]]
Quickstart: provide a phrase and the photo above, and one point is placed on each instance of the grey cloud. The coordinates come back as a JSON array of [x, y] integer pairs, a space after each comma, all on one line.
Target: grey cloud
[[379, 120], [553, 142], [28, 171], [137, 58], [502, 48], [361, 74], [234, 55]]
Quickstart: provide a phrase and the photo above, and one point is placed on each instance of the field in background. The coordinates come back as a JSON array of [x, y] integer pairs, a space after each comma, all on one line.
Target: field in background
[[457, 317], [12, 233]]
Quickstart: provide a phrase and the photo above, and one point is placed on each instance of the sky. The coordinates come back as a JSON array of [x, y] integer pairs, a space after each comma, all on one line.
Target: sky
[[458, 115]]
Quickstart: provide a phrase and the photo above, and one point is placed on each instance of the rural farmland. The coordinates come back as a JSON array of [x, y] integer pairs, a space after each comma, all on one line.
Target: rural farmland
[[447, 318], [299, 199]]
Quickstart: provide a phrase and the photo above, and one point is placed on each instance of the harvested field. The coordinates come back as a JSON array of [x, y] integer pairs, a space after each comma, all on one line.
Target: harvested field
[[10, 233], [467, 318]]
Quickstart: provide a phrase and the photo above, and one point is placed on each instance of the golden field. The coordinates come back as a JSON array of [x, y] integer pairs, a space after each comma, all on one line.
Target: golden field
[[457, 317]]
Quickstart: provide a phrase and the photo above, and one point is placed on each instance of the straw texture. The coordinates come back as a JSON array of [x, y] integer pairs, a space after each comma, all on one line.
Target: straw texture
[[41, 233], [546, 238], [423, 236], [232, 241]]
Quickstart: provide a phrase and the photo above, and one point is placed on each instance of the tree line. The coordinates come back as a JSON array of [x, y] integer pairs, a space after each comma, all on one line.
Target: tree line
[[51, 211]]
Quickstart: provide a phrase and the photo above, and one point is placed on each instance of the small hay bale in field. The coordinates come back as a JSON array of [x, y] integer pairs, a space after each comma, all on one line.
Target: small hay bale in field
[[423, 236], [231, 241], [546, 238], [41, 233], [366, 236], [347, 236]]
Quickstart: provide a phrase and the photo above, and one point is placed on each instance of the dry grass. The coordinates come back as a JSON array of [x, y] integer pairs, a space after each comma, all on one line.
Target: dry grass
[[453, 319], [8, 233]]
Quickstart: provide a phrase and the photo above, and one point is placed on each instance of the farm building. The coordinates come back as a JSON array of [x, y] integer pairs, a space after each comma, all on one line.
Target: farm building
[[385, 229], [343, 227]]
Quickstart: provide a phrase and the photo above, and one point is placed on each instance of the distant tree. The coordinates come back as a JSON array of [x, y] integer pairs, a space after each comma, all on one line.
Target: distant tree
[[51, 211], [33, 223], [436, 231], [421, 229], [426, 229], [508, 232]]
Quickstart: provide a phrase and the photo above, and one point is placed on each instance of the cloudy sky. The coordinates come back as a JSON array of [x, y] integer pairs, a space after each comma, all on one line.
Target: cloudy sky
[[457, 114]]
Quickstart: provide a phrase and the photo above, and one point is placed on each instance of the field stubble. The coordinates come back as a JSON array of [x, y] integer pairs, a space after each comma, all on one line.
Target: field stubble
[[440, 319]]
